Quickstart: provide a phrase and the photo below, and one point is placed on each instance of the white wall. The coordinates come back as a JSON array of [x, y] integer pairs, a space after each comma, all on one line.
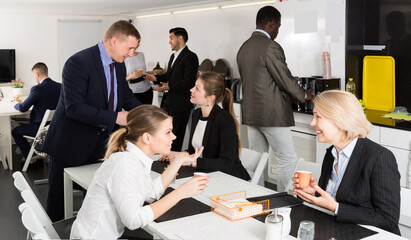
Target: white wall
[[36, 39], [220, 33], [212, 34]]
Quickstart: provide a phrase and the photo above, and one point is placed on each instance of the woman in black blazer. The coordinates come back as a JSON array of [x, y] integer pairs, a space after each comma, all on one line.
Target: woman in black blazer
[[214, 128], [359, 179]]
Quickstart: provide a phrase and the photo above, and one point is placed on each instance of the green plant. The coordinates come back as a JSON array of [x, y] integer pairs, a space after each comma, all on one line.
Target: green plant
[[17, 83]]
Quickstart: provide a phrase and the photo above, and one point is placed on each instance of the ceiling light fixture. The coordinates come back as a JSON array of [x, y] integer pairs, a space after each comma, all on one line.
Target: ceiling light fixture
[[206, 8], [195, 10], [154, 15], [246, 4]]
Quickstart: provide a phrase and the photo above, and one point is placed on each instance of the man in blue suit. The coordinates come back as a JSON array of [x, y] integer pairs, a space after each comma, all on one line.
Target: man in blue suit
[[93, 96], [43, 96]]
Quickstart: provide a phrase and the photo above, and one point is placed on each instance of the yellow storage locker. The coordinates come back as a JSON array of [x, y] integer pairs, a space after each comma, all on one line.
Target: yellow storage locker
[[379, 82]]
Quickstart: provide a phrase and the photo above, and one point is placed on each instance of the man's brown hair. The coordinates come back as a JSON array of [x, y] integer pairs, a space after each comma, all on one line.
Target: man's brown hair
[[41, 68], [122, 28]]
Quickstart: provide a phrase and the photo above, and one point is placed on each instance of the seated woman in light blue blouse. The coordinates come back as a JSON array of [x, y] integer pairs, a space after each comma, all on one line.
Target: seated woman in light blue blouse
[[123, 183]]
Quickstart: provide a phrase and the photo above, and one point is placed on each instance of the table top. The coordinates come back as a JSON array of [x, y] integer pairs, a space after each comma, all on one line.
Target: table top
[[209, 225], [7, 108]]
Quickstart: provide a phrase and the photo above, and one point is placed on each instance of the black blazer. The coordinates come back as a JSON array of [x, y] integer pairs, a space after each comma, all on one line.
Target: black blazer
[[82, 112], [42, 96], [220, 143], [181, 77], [369, 192]]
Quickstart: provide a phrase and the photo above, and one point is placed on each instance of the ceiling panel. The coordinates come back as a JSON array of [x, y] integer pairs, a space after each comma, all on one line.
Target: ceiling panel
[[97, 7]]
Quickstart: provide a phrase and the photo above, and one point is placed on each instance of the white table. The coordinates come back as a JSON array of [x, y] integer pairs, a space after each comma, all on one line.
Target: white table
[[201, 226], [6, 111], [82, 175]]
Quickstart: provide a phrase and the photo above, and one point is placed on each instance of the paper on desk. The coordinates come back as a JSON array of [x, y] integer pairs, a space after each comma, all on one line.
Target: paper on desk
[[238, 208]]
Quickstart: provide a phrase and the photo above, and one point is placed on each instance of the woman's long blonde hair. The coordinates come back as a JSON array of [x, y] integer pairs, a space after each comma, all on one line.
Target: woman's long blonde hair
[[214, 85], [142, 119], [345, 111]]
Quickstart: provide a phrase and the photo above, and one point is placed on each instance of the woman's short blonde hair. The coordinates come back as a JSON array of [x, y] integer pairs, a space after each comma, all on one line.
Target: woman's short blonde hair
[[345, 111]]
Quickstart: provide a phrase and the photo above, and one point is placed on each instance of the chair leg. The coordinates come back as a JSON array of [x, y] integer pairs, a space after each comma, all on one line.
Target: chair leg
[[28, 159], [41, 181], [3, 160]]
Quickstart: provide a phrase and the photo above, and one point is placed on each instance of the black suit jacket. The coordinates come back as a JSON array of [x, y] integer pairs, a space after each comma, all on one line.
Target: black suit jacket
[[369, 192], [82, 112], [220, 143], [181, 78], [42, 96]]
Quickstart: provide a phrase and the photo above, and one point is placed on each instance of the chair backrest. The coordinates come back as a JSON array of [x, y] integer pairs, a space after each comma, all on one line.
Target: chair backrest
[[48, 115], [255, 163], [32, 223], [222, 67], [302, 165], [20, 182], [38, 210], [205, 66], [30, 198]]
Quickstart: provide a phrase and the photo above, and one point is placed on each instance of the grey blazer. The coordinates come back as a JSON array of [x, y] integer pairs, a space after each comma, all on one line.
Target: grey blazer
[[268, 85]]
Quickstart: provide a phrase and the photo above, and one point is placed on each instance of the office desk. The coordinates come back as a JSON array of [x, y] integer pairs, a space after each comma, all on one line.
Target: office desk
[[6, 111], [82, 175]]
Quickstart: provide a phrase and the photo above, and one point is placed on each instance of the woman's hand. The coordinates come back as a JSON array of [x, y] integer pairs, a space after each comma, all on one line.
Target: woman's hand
[[170, 157], [325, 200], [192, 187], [151, 77], [185, 158], [310, 190]]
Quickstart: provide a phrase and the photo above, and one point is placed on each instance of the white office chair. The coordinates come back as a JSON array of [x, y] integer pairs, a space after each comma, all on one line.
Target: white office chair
[[3, 160], [48, 115], [32, 223], [20, 182], [254, 162], [30, 198], [302, 165]]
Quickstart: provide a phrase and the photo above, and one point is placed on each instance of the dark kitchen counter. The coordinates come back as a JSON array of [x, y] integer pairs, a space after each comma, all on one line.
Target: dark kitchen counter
[[375, 117]]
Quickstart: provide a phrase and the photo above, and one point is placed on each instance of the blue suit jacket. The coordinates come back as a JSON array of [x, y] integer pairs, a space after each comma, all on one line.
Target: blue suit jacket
[[82, 112], [42, 97]]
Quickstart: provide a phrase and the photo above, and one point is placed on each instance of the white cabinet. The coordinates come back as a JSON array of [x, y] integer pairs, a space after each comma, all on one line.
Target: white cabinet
[[243, 128], [305, 145], [403, 161], [399, 143], [395, 138], [374, 134]]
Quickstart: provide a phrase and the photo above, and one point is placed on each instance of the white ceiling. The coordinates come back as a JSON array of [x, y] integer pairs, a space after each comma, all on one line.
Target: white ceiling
[[100, 7]]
